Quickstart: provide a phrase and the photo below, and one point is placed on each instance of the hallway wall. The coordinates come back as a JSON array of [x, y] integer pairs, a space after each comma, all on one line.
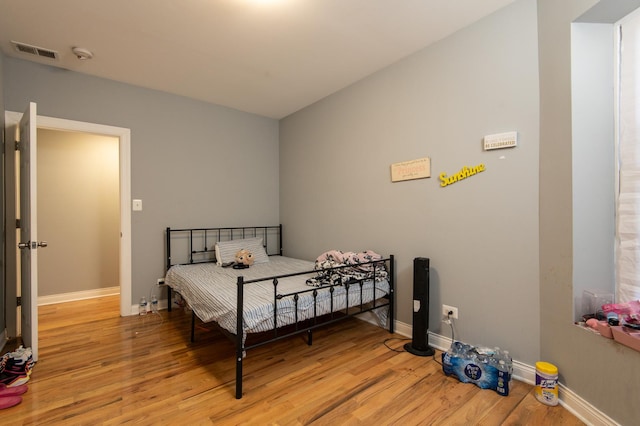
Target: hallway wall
[[78, 211]]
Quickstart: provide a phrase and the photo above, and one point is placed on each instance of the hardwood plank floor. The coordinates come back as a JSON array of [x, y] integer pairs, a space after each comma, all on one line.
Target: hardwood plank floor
[[98, 368]]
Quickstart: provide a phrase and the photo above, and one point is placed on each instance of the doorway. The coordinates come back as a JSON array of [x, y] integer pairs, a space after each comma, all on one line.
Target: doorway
[[78, 215], [124, 156]]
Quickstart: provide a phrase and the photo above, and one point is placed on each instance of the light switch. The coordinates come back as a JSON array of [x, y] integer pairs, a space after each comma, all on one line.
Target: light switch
[[137, 205]]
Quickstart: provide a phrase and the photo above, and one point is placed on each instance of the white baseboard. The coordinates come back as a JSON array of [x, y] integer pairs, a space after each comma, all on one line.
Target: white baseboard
[[521, 372], [77, 295], [582, 409]]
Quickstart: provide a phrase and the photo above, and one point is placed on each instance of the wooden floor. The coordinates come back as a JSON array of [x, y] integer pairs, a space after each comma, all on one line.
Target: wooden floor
[[98, 368]]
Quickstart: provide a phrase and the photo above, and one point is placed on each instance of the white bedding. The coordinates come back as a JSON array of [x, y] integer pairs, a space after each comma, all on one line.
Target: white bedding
[[211, 291]]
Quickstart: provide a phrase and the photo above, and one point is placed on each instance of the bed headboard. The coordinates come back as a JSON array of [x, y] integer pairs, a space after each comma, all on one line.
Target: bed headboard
[[196, 245]]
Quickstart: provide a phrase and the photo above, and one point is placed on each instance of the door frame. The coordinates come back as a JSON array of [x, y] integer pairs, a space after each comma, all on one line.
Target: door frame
[[124, 136]]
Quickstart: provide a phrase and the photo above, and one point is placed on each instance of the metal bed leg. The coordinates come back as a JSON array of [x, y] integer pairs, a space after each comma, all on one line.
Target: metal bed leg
[[168, 299], [238, 376], [392, 292], [193, 326], [309, 337], [239, 336]]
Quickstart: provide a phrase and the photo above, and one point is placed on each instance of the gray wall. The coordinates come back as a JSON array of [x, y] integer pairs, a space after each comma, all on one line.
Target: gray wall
[[501, 245], [481, 234], [601, 371], [192, 163]]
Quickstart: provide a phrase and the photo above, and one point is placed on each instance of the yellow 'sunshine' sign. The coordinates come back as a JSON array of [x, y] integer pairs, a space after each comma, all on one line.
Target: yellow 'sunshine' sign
[[464, 173]]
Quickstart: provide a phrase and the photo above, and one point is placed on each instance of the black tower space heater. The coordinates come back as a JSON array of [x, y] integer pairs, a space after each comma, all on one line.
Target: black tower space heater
[[419, 345]]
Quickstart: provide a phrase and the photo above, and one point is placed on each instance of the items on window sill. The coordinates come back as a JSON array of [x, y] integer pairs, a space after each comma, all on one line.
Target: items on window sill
[[617, 321], [593, 300], [628, 338]]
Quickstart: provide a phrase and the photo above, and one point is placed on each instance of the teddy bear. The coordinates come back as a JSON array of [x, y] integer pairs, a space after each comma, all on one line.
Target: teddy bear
[[244, 259]]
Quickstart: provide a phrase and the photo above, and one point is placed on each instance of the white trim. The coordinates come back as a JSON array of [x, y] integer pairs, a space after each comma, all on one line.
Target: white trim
[[77, 295], [582, 409], [403, 329], [124, 135]]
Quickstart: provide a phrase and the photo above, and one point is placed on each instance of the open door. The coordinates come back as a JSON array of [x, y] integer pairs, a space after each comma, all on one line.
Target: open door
[[28, 243]]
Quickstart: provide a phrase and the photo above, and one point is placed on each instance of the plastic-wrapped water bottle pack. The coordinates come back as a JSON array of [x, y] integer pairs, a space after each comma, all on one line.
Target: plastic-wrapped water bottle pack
[[486, 368]]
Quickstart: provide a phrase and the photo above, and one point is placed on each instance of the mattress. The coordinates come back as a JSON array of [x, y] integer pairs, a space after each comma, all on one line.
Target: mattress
[[211, 292]]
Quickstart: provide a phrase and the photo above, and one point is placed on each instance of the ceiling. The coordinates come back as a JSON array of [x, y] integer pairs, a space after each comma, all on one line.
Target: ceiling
[[268, 57]]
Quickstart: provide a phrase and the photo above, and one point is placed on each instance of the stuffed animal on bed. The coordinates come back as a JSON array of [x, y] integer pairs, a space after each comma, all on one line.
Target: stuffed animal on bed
[[244, 259]]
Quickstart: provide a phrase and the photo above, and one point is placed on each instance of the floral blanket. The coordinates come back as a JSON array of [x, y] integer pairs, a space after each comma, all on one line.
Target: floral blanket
[[339, 267]]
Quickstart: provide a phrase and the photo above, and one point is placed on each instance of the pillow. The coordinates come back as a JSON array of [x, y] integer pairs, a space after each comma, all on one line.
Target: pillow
[[226, 250]]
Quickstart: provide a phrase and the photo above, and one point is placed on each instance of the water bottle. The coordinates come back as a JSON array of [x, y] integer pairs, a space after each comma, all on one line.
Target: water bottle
[[456, 348], [143, 306], [154, 304], [468, 352], [508, 361]]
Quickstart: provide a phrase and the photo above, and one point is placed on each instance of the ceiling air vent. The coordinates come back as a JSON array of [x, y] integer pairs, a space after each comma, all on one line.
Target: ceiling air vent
[[35, 50]]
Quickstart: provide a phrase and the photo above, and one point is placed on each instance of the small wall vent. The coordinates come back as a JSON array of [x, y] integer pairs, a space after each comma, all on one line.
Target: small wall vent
[[35, 50]]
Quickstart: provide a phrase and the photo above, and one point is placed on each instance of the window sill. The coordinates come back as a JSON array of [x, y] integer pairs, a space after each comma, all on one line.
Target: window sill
[[618, 334]]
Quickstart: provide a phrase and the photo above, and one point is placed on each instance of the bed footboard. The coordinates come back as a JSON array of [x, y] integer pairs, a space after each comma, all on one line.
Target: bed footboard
[[379, 300], [375, 289]]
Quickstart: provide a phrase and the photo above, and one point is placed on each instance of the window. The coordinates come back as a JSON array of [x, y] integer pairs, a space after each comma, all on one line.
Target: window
[[627, 249]]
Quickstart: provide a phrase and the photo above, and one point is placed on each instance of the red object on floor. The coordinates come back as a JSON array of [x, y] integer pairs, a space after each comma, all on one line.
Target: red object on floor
[[12, 390], [9, 401]]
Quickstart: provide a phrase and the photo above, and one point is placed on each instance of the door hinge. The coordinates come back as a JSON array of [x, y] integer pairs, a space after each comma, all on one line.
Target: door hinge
[[18, 224], [17, 145], [18, 301]]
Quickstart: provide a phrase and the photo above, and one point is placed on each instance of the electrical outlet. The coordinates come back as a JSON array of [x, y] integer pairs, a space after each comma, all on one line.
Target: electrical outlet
[[446, 309], [160, 281]]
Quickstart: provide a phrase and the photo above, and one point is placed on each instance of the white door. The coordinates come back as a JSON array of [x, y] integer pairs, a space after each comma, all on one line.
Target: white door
[[29, 243]]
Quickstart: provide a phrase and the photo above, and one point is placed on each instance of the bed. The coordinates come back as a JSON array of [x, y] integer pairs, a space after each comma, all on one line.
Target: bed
[[277, 296]]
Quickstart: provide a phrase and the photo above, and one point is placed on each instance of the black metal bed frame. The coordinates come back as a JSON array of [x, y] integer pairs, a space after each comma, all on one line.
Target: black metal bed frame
[[206, 235]]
